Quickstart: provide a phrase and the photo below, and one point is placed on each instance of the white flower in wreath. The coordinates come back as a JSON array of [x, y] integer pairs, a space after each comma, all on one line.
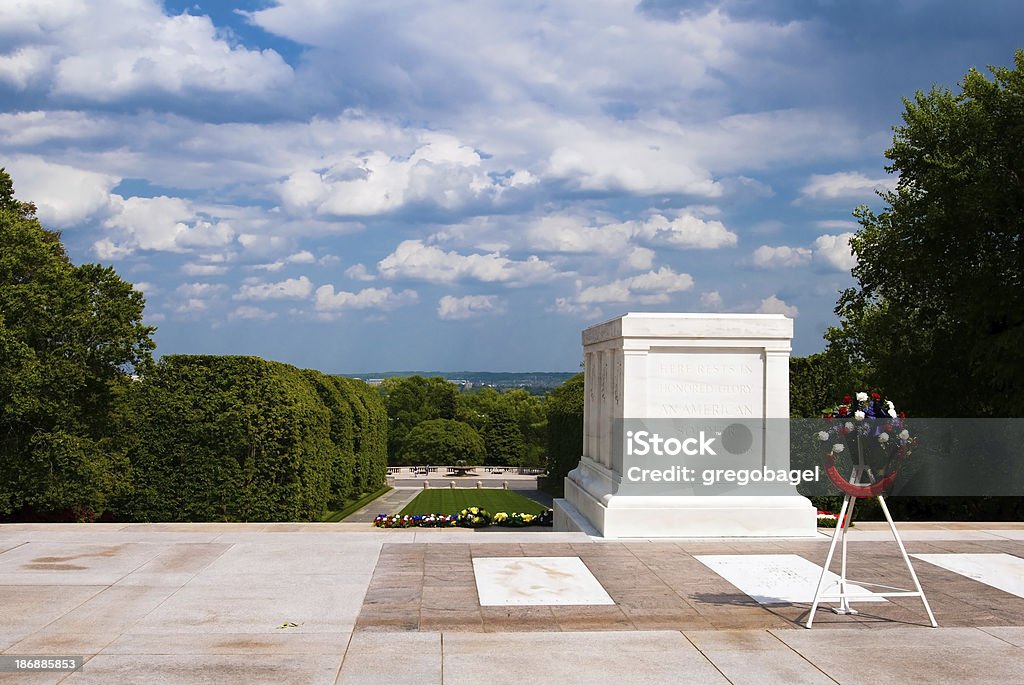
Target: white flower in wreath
[[862, 397], [904, 434], [822, 435], [883, 438], [849, 425], [838, 447], [859, 415]]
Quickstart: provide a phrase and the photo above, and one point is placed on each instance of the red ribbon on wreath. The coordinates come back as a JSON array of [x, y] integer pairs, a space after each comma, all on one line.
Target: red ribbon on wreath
[[853, 489]]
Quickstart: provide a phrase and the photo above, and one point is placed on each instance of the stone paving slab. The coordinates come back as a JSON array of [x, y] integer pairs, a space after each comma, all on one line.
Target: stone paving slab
[[196, 669], [732, 653], [888, 655], [184, 605], [662, 585], [577, 659], [389, 503], [279, 642], [404, 659]]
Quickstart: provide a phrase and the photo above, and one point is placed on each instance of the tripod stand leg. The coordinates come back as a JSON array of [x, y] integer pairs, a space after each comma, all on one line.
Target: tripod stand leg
[[840, 531], [844, 601], [906, 560]]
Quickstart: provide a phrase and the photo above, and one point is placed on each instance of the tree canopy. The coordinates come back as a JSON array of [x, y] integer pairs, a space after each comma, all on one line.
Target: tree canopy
[[412, 400], [70, 336], [938, 312], [564, 408], [443, 442]]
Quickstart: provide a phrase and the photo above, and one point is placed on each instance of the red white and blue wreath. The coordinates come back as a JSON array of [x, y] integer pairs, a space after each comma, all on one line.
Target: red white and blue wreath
[[869, 428]]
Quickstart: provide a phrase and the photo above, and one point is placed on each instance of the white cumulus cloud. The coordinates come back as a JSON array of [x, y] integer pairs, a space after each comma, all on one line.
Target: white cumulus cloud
[[358, 272], [652, 287], [845, 185], [773, 305], [64, 195], [834, 251], [169, 224], [248, 312], [712, 299], [289, 289], [440, 171], [457, 308], [105, 51], [329, 301], [782, 256], [414, 259]]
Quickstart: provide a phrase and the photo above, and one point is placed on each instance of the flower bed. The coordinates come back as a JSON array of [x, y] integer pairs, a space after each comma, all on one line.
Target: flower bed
[[471, 517], [826, 519]]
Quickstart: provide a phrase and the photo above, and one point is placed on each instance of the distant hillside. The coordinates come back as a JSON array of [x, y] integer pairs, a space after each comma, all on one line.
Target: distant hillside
[[533, 381]]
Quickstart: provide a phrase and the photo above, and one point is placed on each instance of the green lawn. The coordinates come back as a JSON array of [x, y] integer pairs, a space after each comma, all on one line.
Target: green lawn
[[452, 501]]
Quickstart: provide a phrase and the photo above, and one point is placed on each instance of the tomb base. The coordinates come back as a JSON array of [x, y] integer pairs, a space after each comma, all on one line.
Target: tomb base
[[590, 507]]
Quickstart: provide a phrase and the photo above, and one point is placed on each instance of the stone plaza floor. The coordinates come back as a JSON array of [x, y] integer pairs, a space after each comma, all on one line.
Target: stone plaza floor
[[347, 603]]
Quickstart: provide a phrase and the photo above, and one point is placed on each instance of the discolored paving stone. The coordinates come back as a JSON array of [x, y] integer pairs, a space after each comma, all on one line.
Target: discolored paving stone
[[512, 619], [591, 618], [660, 585], [457, 620], [192, 669]]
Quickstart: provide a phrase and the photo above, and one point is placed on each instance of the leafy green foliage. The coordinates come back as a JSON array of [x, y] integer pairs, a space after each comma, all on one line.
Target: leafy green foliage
[[511, 424], [938, 313], [564, 408], [443, 442], [412, 400], [244, 439], [69, 338], [819, 381], [503, 439], [370, 436]]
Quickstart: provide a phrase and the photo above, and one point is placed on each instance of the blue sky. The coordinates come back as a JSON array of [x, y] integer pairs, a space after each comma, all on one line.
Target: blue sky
[[427, 184]]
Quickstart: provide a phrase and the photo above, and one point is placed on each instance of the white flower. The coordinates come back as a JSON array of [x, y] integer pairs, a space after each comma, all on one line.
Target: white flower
[[849, 425], [904, 434], [838, 447], [859, 415], [883, 438], [862, 397], [892, 413], [822, 435], [889, 405]]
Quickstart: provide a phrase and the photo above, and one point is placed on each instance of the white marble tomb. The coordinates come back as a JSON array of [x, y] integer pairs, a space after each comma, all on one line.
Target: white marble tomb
[[682, 366]]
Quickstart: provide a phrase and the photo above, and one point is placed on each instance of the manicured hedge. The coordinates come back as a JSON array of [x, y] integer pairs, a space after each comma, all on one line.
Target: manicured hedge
[[245, 439], [370, 436]]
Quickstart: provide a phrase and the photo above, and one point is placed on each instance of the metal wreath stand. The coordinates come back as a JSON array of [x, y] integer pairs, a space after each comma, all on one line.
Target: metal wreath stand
[[856, 488]]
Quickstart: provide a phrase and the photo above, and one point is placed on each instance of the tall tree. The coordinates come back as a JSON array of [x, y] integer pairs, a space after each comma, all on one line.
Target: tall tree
[[443, 442], [503, 438], [938, 312], [412, 400], [70, 336], [564, 409]]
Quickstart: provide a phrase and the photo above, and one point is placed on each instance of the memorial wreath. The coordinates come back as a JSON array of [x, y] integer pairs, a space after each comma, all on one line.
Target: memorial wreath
[[875, 435]]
